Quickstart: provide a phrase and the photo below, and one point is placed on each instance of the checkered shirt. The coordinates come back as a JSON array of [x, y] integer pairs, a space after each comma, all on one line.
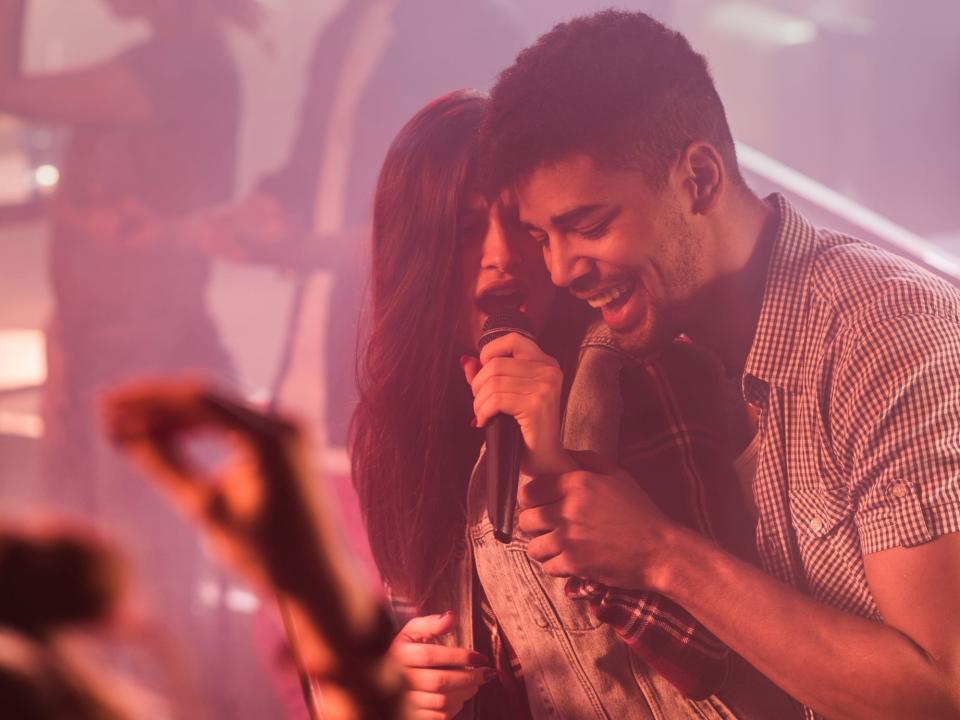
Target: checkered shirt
[[855, 367]]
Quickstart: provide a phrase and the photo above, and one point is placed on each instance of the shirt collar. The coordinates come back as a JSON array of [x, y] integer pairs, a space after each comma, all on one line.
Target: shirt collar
[[776, 355]]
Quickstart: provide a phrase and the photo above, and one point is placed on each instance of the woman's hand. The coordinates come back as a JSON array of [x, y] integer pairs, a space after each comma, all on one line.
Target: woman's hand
[[440, 679], [515, 377]]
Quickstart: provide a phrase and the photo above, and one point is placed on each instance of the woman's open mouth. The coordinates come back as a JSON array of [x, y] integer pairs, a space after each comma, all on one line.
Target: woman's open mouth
[[500, 297]]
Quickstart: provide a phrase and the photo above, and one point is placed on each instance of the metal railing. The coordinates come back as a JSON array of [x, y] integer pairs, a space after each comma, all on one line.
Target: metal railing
[[864, 222]]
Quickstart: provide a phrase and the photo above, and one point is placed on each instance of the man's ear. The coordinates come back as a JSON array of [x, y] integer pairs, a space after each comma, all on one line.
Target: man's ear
[[703, 176]]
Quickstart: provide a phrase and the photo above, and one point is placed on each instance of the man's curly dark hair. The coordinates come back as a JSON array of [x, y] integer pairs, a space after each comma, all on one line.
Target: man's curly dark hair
[[618, 86]]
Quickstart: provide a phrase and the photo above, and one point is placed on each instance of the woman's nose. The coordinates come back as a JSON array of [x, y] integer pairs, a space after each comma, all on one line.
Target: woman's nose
[[499, 245]]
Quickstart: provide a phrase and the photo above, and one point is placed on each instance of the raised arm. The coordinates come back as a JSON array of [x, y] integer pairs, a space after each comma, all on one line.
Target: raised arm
[[262, 516], [107, 93]]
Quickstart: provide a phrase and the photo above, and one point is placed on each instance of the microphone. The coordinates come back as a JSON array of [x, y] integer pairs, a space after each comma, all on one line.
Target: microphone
[[504, 441]]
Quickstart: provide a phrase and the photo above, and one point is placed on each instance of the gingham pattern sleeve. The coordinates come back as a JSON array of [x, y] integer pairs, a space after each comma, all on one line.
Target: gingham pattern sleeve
[[898, 403]]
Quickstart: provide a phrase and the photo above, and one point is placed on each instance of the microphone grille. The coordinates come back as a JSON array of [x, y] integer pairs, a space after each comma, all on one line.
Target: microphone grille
[[503, 322]]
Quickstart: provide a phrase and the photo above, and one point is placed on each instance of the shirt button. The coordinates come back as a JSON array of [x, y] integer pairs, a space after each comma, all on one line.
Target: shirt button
[[899, 490], [816, 525]]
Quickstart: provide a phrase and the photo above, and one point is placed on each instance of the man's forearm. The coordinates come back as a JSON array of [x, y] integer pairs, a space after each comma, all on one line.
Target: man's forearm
[[841, 665]]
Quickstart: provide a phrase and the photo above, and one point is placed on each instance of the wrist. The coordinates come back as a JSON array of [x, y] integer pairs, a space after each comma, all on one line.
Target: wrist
[[557, 462], [679, 562]]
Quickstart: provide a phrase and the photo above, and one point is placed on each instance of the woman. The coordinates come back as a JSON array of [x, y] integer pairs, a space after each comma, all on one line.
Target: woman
[[444, 257]]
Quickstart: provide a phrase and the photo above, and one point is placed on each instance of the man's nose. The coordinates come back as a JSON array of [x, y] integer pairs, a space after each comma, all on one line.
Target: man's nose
[[565, 265]]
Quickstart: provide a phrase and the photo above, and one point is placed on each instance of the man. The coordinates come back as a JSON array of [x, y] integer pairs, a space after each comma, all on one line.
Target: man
[[615, 141]]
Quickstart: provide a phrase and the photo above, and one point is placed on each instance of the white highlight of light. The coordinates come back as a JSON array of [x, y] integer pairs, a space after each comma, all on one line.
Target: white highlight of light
[[46, 176], [761, 25], [242, 601], [21, 424], [236, 599], [209, 593], [15, 174], [23, 358], [910, 244], [336, 460]]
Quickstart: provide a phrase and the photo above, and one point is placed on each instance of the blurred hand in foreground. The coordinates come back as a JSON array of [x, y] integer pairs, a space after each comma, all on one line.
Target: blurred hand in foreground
[[260, 512]]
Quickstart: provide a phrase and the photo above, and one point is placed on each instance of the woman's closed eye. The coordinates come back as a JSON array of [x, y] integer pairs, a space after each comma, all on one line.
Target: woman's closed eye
[[473, 227]]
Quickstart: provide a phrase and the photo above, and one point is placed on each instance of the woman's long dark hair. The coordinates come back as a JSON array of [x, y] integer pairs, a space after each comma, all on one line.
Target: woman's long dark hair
[[411, 441], [412, 445]]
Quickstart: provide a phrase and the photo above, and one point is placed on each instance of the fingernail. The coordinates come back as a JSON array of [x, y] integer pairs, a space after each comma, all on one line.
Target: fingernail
[[446, 614], [476, 658], [474, 423], [464, 359]]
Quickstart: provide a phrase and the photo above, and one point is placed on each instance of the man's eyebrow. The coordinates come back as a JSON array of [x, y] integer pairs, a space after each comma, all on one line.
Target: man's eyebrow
[[571, 217]]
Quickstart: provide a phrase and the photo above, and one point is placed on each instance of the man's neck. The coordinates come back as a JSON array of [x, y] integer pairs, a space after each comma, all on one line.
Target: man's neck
[[731, 308]]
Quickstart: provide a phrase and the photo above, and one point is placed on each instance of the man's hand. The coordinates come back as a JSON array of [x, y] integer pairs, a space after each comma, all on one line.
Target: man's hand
[[596, 524], [254, 230], [515, 377], [115, 223], [440, 679]]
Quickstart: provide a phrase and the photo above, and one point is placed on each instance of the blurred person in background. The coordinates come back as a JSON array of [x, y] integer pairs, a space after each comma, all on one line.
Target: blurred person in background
[[152, 138], [374, 64], [63, 589]]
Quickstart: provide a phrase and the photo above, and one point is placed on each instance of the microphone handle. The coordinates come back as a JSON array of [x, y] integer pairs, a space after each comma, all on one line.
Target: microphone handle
[[504, 445]]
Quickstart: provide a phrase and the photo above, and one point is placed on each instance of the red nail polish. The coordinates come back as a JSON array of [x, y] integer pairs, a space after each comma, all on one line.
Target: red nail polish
[[464, 359], [478, 660]]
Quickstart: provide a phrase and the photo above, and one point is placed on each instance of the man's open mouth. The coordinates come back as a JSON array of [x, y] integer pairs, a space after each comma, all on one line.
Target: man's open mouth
[[612, 296]]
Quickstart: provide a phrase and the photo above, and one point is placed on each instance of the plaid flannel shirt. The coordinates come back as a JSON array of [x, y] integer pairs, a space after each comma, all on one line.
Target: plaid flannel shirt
[[671, 439]]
